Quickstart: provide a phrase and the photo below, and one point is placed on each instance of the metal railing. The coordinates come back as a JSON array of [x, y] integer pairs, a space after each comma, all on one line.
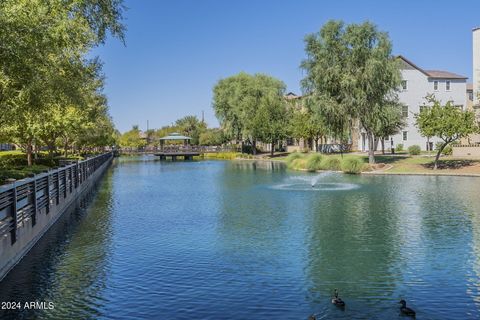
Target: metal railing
[[195, 149], [24, 199], [335, 148]]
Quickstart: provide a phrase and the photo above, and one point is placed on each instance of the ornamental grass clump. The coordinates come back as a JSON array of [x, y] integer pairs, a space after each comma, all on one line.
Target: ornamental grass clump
[[352, 165], [414, 150], [331, 163], [298, 164], [314, 162], [292, 157]]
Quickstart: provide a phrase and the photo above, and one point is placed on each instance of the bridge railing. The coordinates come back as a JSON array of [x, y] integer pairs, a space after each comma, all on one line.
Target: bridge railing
[[23, 200], [196, 149]]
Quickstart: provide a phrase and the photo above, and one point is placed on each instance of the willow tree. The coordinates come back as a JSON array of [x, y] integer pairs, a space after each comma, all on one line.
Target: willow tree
[[351, 76], [236, 101]]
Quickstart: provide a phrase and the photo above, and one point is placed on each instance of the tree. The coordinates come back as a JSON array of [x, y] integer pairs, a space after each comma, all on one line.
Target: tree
[[446, 122], [270, 122], [351, 76], [236, 101], [212, 137], [307, 124], [43, 49], [132, 139], [389, 123], [192, 127]]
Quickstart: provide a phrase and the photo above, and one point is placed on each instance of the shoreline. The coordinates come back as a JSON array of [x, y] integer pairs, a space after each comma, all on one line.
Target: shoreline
[[384, 172]]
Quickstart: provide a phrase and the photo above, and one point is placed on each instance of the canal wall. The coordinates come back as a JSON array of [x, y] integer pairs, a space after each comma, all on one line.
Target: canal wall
[[29, 207]]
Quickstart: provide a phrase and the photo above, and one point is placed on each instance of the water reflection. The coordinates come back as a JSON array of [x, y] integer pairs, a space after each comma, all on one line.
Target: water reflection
[[68, 266], [222, 240]]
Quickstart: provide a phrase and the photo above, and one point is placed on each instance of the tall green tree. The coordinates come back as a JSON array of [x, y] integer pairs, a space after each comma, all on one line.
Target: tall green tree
[[236, 101], [192, 127], [270, 121], [132, 139], [390, 122], [446, 122], [351, 75], [43, 60], [307, 123]]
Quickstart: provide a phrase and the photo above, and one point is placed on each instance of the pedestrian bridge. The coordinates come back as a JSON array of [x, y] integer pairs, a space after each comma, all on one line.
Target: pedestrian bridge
[[187, 152]]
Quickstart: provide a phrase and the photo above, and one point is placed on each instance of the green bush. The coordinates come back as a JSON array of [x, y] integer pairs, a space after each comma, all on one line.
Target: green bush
[[399, 147], [293, 156], [314, 162], [331, 163], [414, 150], [352, 165]]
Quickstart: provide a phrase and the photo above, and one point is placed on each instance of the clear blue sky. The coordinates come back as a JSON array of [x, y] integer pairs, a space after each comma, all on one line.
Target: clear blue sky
[[177, 50]]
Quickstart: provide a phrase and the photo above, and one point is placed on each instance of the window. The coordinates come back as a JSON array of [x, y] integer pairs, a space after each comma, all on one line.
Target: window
[[405, 135], [435, 85], [422, 108], [405, 111], [404, 85], [447, 85], [459, 106], [470, 95]]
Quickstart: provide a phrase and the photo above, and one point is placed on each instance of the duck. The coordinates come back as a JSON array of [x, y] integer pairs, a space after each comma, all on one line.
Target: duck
[[336, 300], [312, 317], [405, 310]]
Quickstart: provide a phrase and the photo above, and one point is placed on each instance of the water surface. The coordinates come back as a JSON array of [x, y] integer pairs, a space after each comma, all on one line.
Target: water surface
[[245, 240]]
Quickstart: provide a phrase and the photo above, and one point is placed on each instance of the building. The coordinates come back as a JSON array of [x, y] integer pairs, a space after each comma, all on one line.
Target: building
[[475, 89], [417, 83]]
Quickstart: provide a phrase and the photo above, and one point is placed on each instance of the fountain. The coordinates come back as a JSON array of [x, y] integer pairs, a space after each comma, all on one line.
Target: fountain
[[325, 181]]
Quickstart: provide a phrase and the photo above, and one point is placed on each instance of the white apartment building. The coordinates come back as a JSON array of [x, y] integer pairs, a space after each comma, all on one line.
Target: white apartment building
[[417, 83]]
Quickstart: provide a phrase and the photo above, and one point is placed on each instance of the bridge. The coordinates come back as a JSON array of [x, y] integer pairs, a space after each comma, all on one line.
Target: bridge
[[187, 152]]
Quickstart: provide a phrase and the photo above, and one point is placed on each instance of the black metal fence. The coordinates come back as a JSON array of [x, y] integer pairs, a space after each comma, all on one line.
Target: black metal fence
[[24, 199], [335, 148]]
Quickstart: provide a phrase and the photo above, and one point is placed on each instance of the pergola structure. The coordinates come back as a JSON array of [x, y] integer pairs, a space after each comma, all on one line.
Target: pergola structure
[[175, 136]]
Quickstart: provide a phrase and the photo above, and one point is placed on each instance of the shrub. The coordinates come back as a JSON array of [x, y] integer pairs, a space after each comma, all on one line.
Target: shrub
[[331, 163], [352, 165], [314, 162], [399, 147], [293, 156], [414, 150]]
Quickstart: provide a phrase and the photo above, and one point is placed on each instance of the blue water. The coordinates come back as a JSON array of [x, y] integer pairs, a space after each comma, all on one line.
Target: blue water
[[245, 240]]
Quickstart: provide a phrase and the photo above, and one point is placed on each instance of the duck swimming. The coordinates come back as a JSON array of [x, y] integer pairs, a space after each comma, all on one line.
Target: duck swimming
[[405, 310], [336, 300]]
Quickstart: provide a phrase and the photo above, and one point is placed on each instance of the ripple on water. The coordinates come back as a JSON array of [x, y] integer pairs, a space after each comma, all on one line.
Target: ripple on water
[[314, 183]]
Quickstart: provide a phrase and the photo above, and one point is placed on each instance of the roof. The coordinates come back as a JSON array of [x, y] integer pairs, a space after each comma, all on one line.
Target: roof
[[444, 74], [434, 74], [291, 95], [175, 136]]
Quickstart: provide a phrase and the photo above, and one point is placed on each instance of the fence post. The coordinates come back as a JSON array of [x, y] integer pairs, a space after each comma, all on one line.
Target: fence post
[[34, 215], [48, 194]]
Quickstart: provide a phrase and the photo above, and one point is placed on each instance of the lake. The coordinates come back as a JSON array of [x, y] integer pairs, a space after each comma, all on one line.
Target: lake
[[252, 240]]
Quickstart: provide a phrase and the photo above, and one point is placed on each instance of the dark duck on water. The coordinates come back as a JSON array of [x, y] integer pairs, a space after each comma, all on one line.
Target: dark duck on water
[[336, 300], [405, 310]]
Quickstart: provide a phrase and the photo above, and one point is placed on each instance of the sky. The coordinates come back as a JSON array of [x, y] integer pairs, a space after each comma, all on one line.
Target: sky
[[175, 51]]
